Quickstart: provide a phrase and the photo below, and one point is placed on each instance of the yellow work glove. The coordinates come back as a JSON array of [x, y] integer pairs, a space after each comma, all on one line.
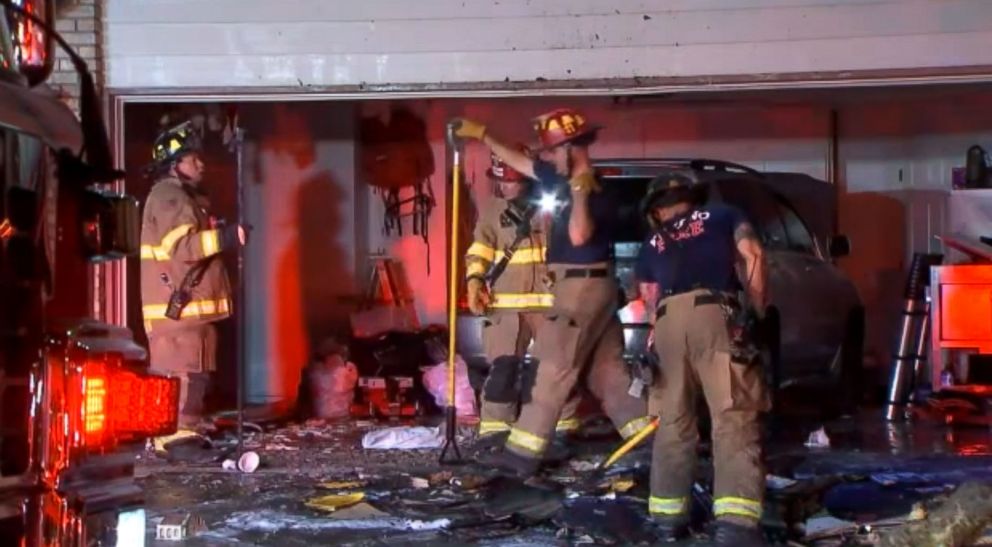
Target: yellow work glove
[[470, 129], [585, 182], [478, 296]]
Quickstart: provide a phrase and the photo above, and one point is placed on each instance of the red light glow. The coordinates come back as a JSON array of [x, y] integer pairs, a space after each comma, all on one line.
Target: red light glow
[[30, 45], [96, 406], [119, 405]]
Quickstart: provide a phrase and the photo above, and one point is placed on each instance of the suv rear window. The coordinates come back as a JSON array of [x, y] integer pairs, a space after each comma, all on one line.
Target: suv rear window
[[628, 192], [759, 206], [777, 223]]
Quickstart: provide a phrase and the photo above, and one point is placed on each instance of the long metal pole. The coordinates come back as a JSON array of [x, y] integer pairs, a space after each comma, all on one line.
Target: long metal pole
[[450, 441], [239, 314]]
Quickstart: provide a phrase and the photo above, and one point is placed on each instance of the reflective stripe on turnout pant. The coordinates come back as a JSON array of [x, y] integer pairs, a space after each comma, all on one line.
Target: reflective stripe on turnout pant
[[693, 345], [583, 307]]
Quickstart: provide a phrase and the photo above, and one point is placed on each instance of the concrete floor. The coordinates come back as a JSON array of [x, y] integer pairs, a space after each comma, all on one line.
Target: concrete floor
[[872, 471]]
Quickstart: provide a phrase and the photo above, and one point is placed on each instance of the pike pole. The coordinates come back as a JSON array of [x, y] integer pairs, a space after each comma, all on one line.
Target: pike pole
[[450, 414], [238, 142]]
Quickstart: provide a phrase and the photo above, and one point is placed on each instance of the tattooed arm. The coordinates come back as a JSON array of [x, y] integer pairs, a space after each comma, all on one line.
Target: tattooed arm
[[755, 275]]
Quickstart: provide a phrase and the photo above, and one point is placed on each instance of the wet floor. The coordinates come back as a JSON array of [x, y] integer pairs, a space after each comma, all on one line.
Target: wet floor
[[867, 472]]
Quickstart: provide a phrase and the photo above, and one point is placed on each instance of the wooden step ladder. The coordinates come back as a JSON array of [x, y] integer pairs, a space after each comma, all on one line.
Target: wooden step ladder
[[388, 303]]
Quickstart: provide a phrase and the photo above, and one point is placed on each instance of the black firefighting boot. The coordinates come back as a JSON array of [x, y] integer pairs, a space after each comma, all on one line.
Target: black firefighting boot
[[670, 529], [489, 444], [510, 464], [557, 453], [732, 534]]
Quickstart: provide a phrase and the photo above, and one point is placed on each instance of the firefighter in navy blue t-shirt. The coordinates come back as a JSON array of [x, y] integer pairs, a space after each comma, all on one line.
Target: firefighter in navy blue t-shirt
[[692, 267], [582, 338]]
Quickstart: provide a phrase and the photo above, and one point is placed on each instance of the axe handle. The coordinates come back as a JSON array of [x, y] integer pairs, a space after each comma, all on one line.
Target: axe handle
[[631, 443]]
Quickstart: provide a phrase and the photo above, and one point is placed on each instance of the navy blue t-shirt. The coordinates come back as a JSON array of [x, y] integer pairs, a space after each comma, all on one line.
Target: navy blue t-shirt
[[603, 210], [693, 251]]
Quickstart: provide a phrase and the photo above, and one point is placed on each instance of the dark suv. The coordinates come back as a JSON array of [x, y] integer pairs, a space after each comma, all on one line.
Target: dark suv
[[815, 327]]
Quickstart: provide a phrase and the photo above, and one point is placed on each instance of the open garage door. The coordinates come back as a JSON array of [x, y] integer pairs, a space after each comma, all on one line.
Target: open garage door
[[310, 46]]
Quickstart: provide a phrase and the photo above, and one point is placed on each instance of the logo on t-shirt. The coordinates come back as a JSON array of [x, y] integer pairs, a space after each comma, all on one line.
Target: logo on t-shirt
[[658, 243], [687, 227]]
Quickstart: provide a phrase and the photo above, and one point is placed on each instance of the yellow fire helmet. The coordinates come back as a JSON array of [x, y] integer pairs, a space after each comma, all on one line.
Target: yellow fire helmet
[[172, 143]]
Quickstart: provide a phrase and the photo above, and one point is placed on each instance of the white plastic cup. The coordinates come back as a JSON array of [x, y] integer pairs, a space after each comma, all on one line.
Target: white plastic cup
[[248, 462]]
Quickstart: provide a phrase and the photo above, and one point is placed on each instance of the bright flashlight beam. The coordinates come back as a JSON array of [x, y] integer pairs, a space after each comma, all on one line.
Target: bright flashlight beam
[[548, 203]]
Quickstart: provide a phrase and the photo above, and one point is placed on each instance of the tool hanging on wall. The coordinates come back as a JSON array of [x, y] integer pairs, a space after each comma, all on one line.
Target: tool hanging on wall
[[396, 156], [418, 209]]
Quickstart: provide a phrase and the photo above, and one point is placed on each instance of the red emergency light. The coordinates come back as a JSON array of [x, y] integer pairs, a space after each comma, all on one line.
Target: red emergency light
[[32, 45], [88, 403], [118, 405]]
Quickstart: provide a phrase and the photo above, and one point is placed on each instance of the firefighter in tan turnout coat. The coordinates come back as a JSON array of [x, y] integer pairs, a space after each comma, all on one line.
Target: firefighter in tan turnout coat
[[580, 340], [184, 285], [515, 305]]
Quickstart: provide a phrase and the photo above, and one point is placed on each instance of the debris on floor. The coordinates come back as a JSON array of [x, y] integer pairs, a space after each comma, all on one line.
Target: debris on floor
[[959, 520], [332, 488], [359, 511], [511, 498], [179, 527], [605, 521], [334, 502], [342, 485], [818, 439], [774, 482], [403, 438], [249, 462], [277, 521], [619, 484], [583, 466]]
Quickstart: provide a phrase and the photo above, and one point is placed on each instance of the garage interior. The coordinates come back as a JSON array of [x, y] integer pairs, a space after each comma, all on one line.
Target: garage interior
[[895, 158], [881, 101], [893, 155], [363, 328]]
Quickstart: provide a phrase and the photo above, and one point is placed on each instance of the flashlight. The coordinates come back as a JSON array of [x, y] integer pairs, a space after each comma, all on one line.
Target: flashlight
[[548, 202]]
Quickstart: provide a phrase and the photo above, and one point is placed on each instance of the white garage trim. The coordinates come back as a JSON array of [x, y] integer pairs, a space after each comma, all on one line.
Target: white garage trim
[[628, 87]]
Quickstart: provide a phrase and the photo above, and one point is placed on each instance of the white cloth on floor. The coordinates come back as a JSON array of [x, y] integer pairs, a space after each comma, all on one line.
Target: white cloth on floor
[[403, 438]]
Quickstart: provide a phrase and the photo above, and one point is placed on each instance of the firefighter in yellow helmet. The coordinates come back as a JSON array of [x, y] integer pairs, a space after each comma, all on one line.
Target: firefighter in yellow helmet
[[184, 286], [581, 338], [514, 303]]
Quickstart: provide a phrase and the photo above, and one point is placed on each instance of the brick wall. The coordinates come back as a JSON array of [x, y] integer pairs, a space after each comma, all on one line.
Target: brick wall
[[80, 22]]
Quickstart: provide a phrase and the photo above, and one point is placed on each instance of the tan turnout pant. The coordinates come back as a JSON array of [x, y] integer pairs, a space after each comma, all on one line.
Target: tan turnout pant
[[693, 343]]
